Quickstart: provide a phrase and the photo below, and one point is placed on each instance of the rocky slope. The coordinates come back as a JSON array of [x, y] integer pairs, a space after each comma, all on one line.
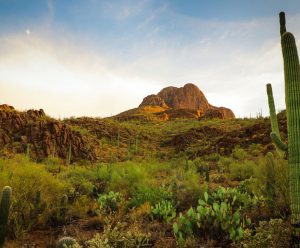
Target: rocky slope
[[188, 97], [41, 135]]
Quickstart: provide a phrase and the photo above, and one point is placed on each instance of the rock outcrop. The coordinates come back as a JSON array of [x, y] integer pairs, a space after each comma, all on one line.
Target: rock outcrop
[[220, 113], [188, 97], [43, 135], [153, 100]]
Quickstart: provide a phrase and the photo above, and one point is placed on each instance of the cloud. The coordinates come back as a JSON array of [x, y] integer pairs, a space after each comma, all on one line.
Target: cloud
[[123, 10], [231, 62], [61, 79], [51, 11]]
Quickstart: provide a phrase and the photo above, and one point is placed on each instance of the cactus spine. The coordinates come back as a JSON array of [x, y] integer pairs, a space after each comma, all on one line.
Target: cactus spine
[[66, 242], [292, 101], [4, 212]]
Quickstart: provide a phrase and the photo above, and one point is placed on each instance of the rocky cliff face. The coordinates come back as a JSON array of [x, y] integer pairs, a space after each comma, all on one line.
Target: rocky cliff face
[[187, 97], [43, 135]]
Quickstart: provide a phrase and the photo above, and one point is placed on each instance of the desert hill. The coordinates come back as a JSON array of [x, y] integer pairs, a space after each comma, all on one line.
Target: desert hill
[[173, 103], [102, 140]]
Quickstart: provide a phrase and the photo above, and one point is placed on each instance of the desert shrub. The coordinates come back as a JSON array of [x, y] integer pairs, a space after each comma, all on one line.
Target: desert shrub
[[150, 194], [278, 199], [110, 202], [186, 188], [80, 179], [80, 207], [140, 212], [201, 165], [219, 178], [213, 157], [127, 177], [252, 187], [28, 180], [118, 236], [255, 150], [242, 170], [239, 153], [219, 215], [269, 234], [163, 210], [282, 198], [224, 163]]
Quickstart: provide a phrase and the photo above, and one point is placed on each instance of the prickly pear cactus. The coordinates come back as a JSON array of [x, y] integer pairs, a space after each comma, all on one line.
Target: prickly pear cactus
[[4, 212]]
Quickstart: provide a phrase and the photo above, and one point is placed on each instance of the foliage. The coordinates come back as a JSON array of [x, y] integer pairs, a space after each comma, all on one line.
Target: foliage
[[80, 179], [110, 202], [27, 178], [150, 194], [239, 153], [269, 234], [117, 237], [219, 215], [163, 210], [242, 170]]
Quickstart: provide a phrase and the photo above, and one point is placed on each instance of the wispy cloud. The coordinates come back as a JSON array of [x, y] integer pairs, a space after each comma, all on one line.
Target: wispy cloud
[[123, 10], [230, 62]]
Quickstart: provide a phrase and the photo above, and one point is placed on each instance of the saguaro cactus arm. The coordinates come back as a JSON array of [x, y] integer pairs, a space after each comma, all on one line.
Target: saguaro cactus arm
[[282, 23], [275, 135], [277, 141]]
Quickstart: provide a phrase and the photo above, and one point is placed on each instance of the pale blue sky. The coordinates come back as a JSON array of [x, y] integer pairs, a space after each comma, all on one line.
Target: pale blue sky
[[97, 58]]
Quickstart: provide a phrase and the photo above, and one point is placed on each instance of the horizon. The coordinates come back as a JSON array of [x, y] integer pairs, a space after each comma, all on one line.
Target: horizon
[[77, 59]]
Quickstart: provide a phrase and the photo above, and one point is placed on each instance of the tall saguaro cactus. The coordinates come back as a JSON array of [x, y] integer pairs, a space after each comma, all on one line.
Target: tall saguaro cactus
[[292, 101], [4, 211]]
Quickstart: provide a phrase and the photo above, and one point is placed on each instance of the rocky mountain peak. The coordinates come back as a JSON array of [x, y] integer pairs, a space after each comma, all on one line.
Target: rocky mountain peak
[[187, 97]]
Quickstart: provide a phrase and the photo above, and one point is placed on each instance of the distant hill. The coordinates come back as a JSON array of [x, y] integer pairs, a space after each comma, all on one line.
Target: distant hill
[[173, 103]]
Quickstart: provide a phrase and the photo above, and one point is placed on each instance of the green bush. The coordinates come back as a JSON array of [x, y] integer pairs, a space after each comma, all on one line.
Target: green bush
[[110, 202], [117, 236], [187, 190], [224, 163], [127, 177], [163, 210], [239, 153], [81, 181], [242, 170], [269, 234], [150, 194], [27, 179]]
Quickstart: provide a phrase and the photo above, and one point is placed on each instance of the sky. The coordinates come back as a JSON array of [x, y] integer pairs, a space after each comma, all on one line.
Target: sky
[[99, 57]]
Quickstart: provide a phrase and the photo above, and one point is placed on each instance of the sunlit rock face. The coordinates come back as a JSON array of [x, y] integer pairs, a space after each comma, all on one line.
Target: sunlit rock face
[[187, 97]]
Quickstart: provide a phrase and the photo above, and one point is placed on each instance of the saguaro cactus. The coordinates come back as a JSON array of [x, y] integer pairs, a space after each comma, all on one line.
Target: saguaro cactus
[[4, 211], [292, 100]]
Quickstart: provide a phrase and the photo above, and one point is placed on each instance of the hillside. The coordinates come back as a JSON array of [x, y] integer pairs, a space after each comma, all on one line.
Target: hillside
[[95, 139]]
